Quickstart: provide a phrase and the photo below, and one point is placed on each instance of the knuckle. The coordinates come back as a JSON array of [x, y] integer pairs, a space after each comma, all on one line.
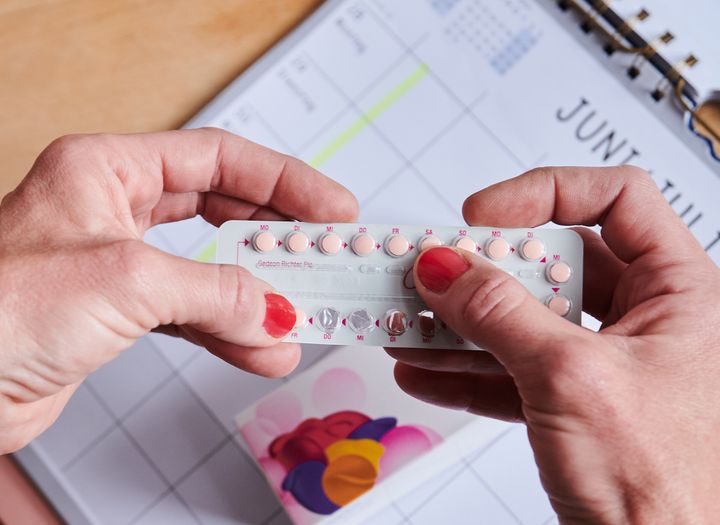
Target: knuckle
[[634, 172], [68, 151], [566, 369], [238, 294], [581, 381], [495, 297], [131, 261], [66, 147], [133, 258], [285, 165], [211, 132], [212, 136], [540, 171], [638, 177], [546, 174]]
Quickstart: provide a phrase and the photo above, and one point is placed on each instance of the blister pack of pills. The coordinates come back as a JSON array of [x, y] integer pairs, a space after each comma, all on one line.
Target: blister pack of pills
[[352, 284]]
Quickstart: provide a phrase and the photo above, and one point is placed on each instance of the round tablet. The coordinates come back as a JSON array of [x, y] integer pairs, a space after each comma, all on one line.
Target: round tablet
[[397, 245], [327, 319], [363, 244], [559, 272], [300, 318], [330, 243], [426, 323], [559, 304], [395, 322], [264, 241], [297, 242], [497, 248], [532, 249], [428, 241], [465, 243], [361, 321]]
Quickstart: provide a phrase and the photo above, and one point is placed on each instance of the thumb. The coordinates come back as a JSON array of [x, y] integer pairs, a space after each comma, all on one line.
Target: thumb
[[225, 301], [489, 307]]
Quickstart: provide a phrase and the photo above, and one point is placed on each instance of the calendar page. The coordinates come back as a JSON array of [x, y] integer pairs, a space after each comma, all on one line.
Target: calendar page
[[413, 105]]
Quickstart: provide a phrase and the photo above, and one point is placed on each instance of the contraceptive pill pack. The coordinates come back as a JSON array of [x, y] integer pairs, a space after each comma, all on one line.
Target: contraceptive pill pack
[[352, 284]]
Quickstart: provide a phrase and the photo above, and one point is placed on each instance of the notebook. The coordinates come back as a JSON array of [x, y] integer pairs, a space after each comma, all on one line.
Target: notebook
[[426, 99]]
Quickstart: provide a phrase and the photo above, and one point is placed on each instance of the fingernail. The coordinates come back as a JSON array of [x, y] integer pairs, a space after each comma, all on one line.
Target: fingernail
[[279, 315], [439, 267]]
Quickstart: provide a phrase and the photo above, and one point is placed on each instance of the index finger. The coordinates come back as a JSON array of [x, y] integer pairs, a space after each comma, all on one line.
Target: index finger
[[189, 163], [624, 200]]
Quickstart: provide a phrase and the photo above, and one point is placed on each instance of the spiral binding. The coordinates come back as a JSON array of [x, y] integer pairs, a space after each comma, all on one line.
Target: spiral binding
[[620, 36]]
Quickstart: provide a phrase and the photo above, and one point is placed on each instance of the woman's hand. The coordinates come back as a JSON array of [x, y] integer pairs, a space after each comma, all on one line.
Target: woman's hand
[[78, 285], [624, 423]]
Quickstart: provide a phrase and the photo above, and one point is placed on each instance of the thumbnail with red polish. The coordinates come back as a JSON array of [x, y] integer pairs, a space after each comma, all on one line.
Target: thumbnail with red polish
[[279, 315], [439, 267]]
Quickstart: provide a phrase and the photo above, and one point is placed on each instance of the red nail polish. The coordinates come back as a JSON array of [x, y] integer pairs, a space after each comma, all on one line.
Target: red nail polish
[[439, 267], [279, 315]]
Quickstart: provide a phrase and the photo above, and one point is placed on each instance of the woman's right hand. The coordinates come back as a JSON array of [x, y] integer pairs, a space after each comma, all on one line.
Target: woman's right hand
[[624, 423], [78, 284]]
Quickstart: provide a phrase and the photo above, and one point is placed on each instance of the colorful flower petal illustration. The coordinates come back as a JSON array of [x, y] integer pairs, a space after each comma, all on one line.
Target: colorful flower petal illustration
[[374, 429], [304, 482], [348, 477], [324, 464], [310, 439], [369, 449], [352, 469]]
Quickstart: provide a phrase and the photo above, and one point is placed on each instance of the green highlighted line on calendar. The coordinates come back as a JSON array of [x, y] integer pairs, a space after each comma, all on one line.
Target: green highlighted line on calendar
[[377, 109]]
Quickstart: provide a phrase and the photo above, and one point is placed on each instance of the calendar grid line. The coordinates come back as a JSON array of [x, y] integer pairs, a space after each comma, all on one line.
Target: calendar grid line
[[451, 93], [133, 441], [493, 493]]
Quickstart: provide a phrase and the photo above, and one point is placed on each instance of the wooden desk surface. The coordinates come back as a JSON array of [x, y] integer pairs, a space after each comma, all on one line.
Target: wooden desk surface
[[121, 65], [70, 66]]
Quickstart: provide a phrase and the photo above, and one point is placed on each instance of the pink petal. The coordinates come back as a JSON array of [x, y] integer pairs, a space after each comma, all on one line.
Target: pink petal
[[283, 409], [258, 435], [402, 445], [432, 435], [338, 389]]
